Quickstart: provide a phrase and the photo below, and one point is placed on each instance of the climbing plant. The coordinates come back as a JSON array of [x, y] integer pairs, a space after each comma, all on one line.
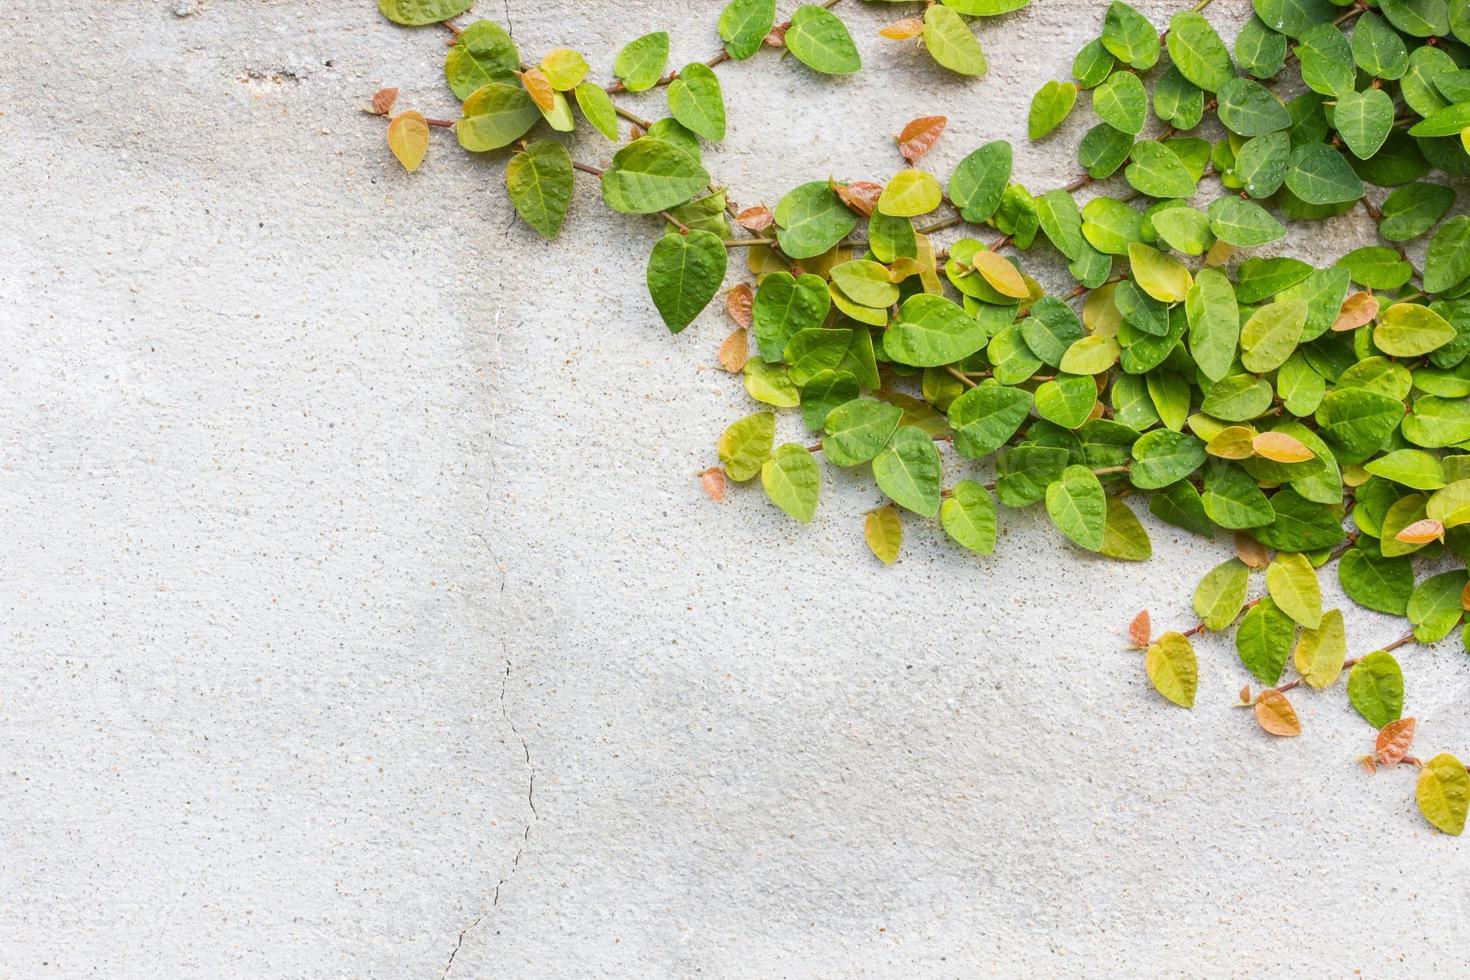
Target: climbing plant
[[1316, 416]]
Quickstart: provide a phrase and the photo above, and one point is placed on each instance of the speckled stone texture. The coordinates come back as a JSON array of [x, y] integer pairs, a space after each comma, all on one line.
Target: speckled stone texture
[[360, 606]]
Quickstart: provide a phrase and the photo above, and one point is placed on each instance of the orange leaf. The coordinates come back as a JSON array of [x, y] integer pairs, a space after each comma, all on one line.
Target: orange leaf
[[713, 481], [1465, 597], [1422, 532], [919, 135], [539, 87], [1275, 714], [1281, 448], [1250, 551], [1369, 766], [383, 100], [1357, 310], [1245, 695], [860, 196], [902, 30], [755, 219], [738, 303], [735, 351], [1394, 740], [408, 138], [1140, 631]]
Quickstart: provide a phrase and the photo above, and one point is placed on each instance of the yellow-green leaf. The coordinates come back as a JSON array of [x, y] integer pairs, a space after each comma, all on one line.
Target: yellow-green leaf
[[1162, 276], [884, 533], [1292, 582], [910, 192], [1443, 793], [1173, 668], [1320, 652], [408, 138]]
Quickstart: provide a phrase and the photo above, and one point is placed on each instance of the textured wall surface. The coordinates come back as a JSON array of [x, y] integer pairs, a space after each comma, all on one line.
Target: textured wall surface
[[359, 604]]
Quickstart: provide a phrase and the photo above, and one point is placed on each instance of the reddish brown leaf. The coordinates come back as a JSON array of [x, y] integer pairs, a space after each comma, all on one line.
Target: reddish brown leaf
[[383, 100], [1422, 532], [860, 196], [1250, 551], [777, 37], [919, 135], [755, 219], [1140, 631], [1245, 695], [1465, 597], [1357, 310], [902, 30], [1394, 741], [735, 351], [1275, 714], [539, 88], [738, 303], [713, 481]]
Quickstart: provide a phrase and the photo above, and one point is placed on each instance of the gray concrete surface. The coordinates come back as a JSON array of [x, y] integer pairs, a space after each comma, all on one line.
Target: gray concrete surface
[[360, 607]]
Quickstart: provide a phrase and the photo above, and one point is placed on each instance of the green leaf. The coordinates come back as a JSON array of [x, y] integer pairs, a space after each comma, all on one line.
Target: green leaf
[[1179, 504], [1121, 102], [1293, 17], [1376, 267], [1260, 50], [1163, 456], [1420, 18], [1376, 688], [1363, 120], [968, 516], [1157, 171], [1024, 472], [1244, 224], [1130, 37], [1411, 468], [1377, 48], [858, 430], [909, 193], [1103, 150], [1173, 668], [416, 13], [812, 218], [650, 175], [1232, 499], [746, 444], [1264, 641], [744, 24], [1214, 323], [1198, 52], [1443, 793], [811, 352], [1178, 101], [931, 331], [951, 43], [980, 180], [1249, 109], [1237, 398], [1110, 226], [1413, 209], [1061, 220], [1077, 506], [1123, 536], [1326, 60], [985, 418], [823, 392], [792, 481], [1271, 334], [1184, 229], [785, 305], [1299, 524], [1405, 511], [482, 53], [1049, 106], [597, 106], [641, 63], [495, 115], [1221, 593], [1451, 506], [1258, 279], [1435, 607], [1066, 400], [909, 471], [1320, 652], [1092, 64], [1318, 174], [1381, 584], [819, 40], [890, 238], [1408, 330], [1292, 582], [865, 282], [1438, 422], [1261, 164], [695, 101], [1448, 262], [539, 180], [1051, 329]]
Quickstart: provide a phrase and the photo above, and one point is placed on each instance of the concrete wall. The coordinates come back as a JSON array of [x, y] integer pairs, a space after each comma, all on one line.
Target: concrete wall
[[360, 606]]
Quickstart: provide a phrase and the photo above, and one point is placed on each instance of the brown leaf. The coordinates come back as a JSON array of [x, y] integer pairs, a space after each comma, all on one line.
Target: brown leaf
[[735, 351], [1394, 741], [1140, 631], [634, 133], [1369, 766], [1275, 714], [860, 196], [1422, 532], [1281, 448], [539, 88], [1219, 254], [755, 219], [1250, 551], [713, 481], [383, 100], [1357, 310], [777, 37], [1465, 597], [738, 303], [902, 30], [1245, 695], [919, 135]]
